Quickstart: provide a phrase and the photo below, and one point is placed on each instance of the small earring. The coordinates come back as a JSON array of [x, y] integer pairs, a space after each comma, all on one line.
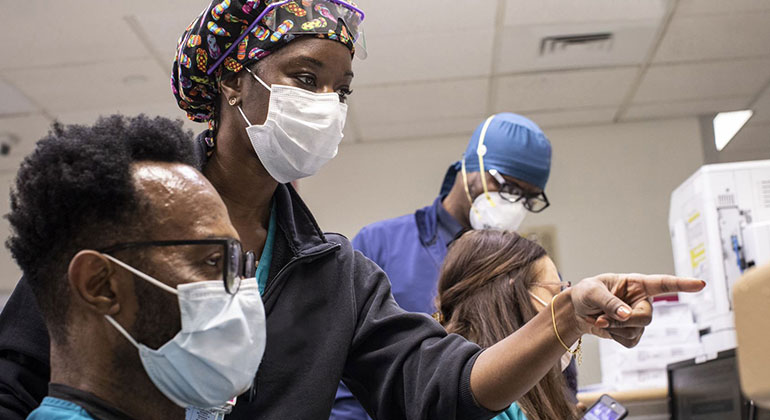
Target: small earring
[[233, 101]]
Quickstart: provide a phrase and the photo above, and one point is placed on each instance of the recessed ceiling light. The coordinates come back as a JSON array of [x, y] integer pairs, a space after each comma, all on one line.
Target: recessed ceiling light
[[727, 125]]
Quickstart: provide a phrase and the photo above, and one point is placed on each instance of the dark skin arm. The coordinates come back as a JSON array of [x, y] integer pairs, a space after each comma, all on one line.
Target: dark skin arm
[[609, 305]]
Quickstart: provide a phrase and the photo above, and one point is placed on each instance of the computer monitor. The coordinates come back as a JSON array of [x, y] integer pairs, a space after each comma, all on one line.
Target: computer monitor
[[709, 390]]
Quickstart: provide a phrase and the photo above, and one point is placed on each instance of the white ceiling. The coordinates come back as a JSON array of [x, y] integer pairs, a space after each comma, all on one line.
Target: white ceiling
[[435, 67]]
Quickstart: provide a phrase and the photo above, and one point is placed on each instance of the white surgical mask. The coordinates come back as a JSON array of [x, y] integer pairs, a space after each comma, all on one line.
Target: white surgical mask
[[566, 358], [302, 131], [490, 211], [216, 354]]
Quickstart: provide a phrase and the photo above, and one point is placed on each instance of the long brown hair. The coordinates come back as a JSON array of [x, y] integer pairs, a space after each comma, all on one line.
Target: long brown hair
[[483, 295]]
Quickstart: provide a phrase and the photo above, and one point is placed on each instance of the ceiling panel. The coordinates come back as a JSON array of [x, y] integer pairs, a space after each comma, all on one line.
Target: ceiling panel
[[536, 12], [164, 29], [720, 7], [728, 36], [687, 108], [572, 117], [421, 129], [406, 17], [441, 55], [61, 33], [27, 130], [13, 102], [681, 82], [520, 46], [562, 90], [414, 102], [110, 84]]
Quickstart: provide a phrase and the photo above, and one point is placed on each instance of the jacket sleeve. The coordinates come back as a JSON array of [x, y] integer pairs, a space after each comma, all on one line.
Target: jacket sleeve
[[403, 365], [24, 355]]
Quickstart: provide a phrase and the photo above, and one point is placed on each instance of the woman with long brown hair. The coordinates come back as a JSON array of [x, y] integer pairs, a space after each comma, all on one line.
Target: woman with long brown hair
[[491, 284]]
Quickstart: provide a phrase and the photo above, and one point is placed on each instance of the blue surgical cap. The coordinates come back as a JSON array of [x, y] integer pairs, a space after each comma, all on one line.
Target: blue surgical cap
[[515, 146]]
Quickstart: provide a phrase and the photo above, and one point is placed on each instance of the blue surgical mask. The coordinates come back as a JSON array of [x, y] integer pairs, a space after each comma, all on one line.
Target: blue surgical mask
[[216, 354]]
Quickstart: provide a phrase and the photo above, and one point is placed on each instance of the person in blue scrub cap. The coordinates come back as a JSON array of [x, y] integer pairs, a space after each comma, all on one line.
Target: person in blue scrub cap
[[499, 180]]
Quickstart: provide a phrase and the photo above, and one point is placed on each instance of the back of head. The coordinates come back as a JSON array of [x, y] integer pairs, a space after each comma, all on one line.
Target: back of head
[[76, 191], [484, 282], [483, 295]]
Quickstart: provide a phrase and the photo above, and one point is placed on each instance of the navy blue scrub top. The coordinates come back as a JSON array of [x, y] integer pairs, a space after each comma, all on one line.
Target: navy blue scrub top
[[410, 249]]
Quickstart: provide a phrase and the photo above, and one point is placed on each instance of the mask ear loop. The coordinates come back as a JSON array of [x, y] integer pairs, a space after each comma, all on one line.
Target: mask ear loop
[[465, 184], [481, 150], [136, 272], [248, 123], [121, 330], [258, 79], [544, 303]]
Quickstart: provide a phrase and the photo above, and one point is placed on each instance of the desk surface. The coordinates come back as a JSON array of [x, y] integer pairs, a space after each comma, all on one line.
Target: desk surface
[[588, 398]]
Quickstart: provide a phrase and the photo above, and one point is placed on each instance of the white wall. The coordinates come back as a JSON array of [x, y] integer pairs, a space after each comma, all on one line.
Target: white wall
[[609, 190]]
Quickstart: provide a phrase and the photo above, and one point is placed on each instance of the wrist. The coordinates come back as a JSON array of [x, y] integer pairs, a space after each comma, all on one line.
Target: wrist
[[566, 319]]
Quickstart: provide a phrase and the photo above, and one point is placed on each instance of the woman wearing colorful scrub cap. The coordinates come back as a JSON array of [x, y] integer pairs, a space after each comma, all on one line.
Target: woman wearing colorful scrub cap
[[271, 80], [272, 84]]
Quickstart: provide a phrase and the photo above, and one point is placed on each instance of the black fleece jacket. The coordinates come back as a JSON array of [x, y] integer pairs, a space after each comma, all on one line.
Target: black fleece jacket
[[330, 316]]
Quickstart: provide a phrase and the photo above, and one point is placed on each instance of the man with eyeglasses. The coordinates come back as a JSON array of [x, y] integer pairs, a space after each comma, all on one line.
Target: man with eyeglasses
[[499, 180], [132, 259]]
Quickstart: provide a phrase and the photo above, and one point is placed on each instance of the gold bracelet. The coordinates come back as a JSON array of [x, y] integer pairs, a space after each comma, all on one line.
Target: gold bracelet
[[579, 349]]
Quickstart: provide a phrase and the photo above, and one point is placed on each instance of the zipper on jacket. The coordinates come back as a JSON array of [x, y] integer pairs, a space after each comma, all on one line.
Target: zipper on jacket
[[270, 286]]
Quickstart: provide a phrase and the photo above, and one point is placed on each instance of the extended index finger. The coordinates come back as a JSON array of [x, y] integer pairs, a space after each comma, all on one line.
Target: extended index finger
[[659, 284]]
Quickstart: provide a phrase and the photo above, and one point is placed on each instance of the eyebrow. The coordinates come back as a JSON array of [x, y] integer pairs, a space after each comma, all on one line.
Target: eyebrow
[[317, 63]]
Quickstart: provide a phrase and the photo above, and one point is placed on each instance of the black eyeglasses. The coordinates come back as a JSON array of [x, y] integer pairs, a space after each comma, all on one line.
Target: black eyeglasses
[[232, 256], [513, 193]]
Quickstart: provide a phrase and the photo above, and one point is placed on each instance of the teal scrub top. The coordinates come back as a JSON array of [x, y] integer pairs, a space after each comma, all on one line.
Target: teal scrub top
[[56, 409], [263, 267], [511, 413]]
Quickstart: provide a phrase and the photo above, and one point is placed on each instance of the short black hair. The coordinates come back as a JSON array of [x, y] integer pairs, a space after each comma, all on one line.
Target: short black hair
[[76, 191]]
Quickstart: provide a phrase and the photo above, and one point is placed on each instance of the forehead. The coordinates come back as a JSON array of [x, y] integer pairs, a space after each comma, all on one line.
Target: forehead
[[182, 203], [324, 54]]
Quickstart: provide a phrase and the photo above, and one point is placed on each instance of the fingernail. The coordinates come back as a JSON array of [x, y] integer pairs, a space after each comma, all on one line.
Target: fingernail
[[623, 311], [703, 282]]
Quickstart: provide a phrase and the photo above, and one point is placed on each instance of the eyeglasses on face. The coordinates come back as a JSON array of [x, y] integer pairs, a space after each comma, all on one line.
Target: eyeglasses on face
[[514, 193], [232, 255]]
